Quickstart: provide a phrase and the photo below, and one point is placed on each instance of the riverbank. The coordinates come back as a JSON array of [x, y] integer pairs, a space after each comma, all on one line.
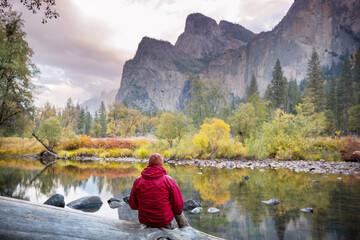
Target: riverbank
[[322, 166], [326, 148]]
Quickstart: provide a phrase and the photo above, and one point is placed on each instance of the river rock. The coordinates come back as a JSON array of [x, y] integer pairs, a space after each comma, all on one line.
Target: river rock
[[213, 210], [90, 202], [308, 210], [190, 204], [230, 165], [56, 200], [115, 202], [273, 201], [126, 199], [196, 210]]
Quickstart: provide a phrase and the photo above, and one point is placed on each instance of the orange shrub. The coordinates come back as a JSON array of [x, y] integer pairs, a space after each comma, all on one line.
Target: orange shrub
[[84, 141]]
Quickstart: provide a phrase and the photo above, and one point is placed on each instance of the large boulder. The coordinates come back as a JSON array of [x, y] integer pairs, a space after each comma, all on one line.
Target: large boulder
[[56, 200], [190, 204], [88, 204]]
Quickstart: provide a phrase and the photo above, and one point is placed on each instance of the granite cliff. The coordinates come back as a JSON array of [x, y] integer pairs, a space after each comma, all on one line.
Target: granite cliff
[[228, 54]]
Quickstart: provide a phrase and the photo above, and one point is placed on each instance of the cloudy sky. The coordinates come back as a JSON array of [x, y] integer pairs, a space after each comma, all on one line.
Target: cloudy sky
[[82, 53]]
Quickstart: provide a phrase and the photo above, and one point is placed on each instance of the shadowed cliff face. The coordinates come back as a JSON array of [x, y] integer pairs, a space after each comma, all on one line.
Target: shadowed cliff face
[[229, 54]]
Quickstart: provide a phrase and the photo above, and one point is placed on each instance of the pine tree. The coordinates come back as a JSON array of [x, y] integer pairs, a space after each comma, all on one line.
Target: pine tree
[[88, 121], [252, 88], [357, 73], [293, 96], [331, 100], [344, 95], [278, 87], [267, 95], [82, 122], [314, 86], [102, 119]]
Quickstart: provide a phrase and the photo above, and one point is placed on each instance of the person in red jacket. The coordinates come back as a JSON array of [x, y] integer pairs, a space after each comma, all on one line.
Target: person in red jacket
[[156, 195]]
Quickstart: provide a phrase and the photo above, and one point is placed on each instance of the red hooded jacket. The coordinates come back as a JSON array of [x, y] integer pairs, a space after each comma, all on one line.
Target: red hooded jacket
[[156, 196]]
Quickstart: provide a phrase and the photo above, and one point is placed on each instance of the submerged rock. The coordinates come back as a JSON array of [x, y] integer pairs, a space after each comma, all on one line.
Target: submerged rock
[[90, 203], [213, 210], [190, 204], [116, 204], [308, 210], [196, 210], [56, 200], [273, 201]]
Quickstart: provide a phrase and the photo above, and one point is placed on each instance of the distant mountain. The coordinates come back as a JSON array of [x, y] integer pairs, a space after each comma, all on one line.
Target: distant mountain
[[228, 54], [93, 104]]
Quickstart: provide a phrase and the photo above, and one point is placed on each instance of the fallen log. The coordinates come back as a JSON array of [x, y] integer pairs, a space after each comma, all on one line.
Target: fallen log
[[20, 219], [48, 148]]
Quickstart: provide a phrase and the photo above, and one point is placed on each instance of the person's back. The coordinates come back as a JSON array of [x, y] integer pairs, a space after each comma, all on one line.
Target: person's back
[[156, 195]]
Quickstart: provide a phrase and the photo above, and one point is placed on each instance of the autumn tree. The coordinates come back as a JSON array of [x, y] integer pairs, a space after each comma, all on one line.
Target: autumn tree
[[210, 134], [95, 130], [249, 117], [171, 126], [50, 129], [16, 69], [123, 121]]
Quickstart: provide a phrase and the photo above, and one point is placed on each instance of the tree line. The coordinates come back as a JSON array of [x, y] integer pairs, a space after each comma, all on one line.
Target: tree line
[[330, 93]]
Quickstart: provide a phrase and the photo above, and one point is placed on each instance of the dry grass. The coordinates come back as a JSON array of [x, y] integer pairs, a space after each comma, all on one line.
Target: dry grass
[[19, 146]]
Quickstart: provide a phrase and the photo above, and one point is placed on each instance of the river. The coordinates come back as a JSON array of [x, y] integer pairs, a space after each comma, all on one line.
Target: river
[[335, 198]]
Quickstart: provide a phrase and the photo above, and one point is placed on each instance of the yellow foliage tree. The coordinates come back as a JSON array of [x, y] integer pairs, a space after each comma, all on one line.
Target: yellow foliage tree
[[211, 133]]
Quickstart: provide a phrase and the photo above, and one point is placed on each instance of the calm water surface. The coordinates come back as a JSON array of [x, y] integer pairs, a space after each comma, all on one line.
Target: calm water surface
[[242, 215]]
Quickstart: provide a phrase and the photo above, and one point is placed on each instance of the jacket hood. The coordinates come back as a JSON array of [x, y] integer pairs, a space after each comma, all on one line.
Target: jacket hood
[[153, 172]]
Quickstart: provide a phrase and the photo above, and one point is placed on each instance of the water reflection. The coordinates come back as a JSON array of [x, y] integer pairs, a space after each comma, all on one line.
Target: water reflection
[[242, 214]]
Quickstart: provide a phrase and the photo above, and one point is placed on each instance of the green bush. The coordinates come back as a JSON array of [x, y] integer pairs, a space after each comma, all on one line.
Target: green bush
[[122, 152]]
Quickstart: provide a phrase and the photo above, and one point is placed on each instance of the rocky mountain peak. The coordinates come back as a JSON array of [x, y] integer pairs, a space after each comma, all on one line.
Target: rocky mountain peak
[[197, 23], [227, 54], [204, 38], [236, 31]]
